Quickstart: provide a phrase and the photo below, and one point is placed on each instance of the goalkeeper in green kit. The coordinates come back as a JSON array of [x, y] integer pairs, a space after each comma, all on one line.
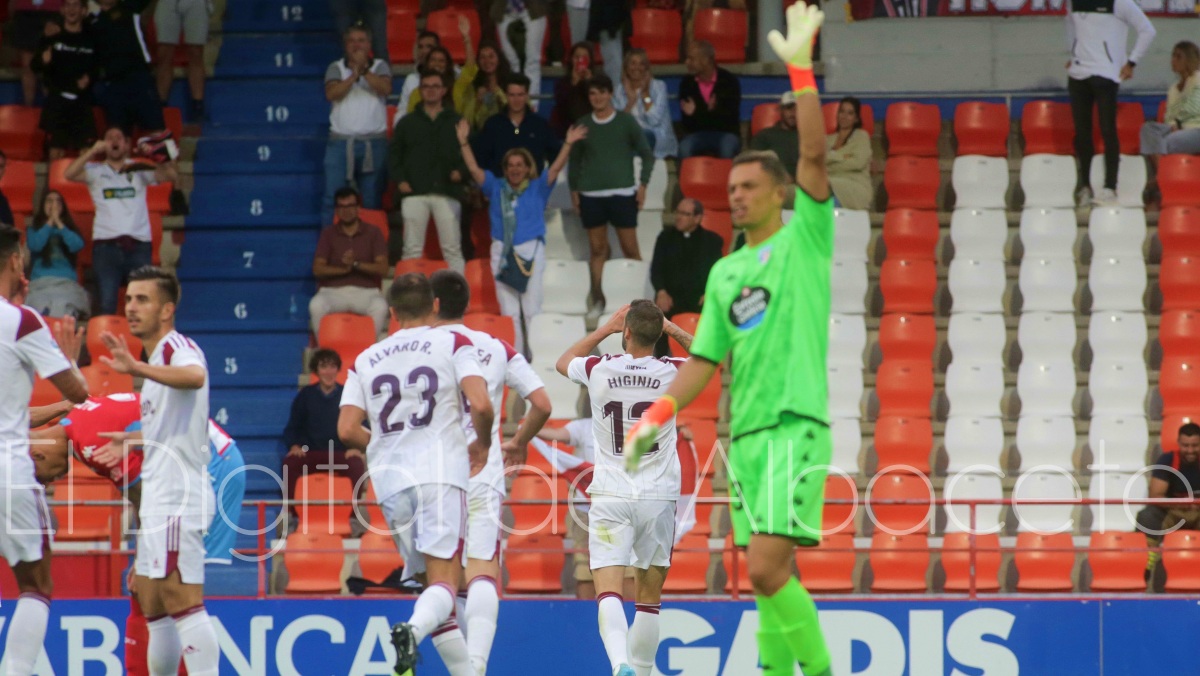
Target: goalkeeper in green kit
[[768, 305]]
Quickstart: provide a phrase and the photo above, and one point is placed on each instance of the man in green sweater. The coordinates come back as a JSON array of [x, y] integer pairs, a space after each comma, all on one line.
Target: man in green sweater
[[782, 138], [603, 186], [425, 161]]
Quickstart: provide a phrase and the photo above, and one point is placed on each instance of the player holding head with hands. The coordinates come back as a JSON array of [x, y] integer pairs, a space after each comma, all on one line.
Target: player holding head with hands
[[767, 304]]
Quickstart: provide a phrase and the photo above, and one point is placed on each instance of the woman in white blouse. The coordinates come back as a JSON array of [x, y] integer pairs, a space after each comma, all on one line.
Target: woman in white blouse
[[1179, 132], [645, 98], [848, 157]]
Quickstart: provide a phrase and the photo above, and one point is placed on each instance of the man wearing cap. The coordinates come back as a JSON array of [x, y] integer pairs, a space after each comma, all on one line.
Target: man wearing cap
[[782, 138]]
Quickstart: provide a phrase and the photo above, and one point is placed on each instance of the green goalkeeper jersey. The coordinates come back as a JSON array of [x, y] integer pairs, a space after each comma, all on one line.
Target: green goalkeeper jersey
[[769, 306]]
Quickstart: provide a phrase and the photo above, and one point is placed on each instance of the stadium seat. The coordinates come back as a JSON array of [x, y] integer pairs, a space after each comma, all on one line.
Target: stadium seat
[[1047, 284], [1178, 176], [911, 234], [956, 561], [401, 35], [478, 272], [376, 218], [839, 517], [913, 129], [708, 448], [1048, 233], [78, 522], [1179, 230], [1179, 333], [900, 518], [912, 182], [1048, 181], [977, 285], [973, 443], [1110, 485], [1131, 179], [1130, 118], [904, 388], [18, 185], [899, 563], [115, 324], [1118, 386], [21, 138], [907, 337], [845, 390], [688, 321], [706, 405], [377, 556], [851, 234], [908, 286], [689, 565], [1117, 561], [976, 336], [496, 326], [847, 444], [1046, 335], [368, 510], [1181, 559], [542, 517], [718, 222], [727, 30], [444, 22], [102, 380], [347, 334], [1045, 484], [314, 563], [979, 182], [982, 129], [960, 488], [659, 32], [1179, 385], [1046, 441], [704, 508], [1169, 432], [830, 111], [847, 340], [1044, 562], [978, 234], [829, 567], [975, 389], [566, 287], [736, 569], [1116, 231], [705, 179], [1046, 387], [625, 280], [1048, 128], [44, 393], [76, 195], [313, 492], [903, 443], [766, 114], [849, 282], [1179, 281], [534, 564]]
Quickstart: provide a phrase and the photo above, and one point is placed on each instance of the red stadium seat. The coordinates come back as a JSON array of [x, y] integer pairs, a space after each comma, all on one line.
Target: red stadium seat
[[1130, 118], [903, 442], [1170, 430], [1178, 176], [1048, 128], [1118, 561], [102, 380], [981, 128], [541, 517], [314, 563], [1179, 333], [368, 510], [908, 286], [18, 185], [689, 566], [444, 22], [1044, 562], [726, 29], [704, 507], [44, 393], [76, 195], [497, 326], [721, 223], [912, 182], [899, 563], [117, 325], [913, 129], [378, 557], [956, 561], [156, 237], [80, 522], [907, 337], [347, 334], [829, 567], [1181, 559], [765, 115], [688, 321], [839, 518], [401, 35], [1179, 281], [904, 388], [1179, 385], [312, 492], [376, 218], [911, 234], [173, 118], [706, 179], [708, 448], [900, 518], [534, 564], [20, 136], [735, 573], [659, 32], [1162, 110], [706, 405], [424, 266], [478, 272], [830, 111], [1179, 230]]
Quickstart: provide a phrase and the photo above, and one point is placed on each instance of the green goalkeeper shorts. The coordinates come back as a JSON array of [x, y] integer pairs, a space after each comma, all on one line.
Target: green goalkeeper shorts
[[777, 481]]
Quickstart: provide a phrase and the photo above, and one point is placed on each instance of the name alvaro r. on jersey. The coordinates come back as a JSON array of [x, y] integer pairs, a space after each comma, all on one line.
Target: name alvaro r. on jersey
[[411, 346]]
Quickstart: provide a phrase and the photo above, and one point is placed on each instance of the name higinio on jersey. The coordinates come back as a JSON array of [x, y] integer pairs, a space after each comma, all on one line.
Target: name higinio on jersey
[[635, 381]]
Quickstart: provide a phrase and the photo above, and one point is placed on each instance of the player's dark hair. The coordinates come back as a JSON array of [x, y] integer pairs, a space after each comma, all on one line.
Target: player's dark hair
[[1189, 430], [10, 241], [601, 82], [645, 322], [323, 356], [165, 280], [347, 191], [453, 293], [857, 106], [411, 296], [770, 163]]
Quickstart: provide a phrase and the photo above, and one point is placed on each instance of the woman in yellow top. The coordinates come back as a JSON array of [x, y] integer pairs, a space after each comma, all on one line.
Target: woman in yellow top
[[848, 157], [479, 89]]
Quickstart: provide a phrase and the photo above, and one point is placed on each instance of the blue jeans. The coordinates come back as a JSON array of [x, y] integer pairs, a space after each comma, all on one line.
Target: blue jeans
[[112, 264], [718, 143], [370, 184]]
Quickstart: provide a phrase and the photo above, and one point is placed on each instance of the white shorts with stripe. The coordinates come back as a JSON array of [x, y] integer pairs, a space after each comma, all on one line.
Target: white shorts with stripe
[[169, 543], [625, 532], [483, 521], [429, 520], [26, 522]]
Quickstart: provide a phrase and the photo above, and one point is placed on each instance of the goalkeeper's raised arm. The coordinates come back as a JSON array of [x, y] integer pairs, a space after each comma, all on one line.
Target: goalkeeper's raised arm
[[803, 23]]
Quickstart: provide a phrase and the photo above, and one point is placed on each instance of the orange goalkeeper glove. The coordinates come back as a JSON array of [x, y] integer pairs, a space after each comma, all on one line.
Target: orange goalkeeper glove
[[641, 438]]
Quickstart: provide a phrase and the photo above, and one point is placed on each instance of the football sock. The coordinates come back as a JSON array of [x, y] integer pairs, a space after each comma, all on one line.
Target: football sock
[[774, 654], [613, 628], [433, 607], [199, 640], [26, 632], [450, 644], [796, 616], [137, 636], [483, 606], [460, 610], [643, 638], [163, 649]]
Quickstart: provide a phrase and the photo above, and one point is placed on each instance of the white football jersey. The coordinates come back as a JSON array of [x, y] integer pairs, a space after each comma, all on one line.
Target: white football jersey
[[502, 366], [175, 434], [621, 388], [582, 440], [26, 348], [408, 384]]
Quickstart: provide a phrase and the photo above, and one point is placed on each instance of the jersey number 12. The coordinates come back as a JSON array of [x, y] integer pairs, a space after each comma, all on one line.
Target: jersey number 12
[[616, 411]]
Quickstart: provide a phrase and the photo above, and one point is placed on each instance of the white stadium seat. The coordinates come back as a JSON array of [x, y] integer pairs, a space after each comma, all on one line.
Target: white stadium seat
[[1117, 334], [976, 337], [1118, 386], [625, 280], [612, 343], [1046, 335], [972, 486], [845, 391], [848, 280], [972, 443], [847, 339], [1118, 442], [975, 389], [1118, 283], [1116, 231], [1046, 387], [558, 247], [1048, 233], [564, 394], [1116, 486], [1048, 181], [551, 334], [649, 227], [1045, 484], [566, 287], [1131, 178], [851, 234], [979, 182], [1047, 284], [978, 234], [847, 443], [1046, 440], [977, 285]]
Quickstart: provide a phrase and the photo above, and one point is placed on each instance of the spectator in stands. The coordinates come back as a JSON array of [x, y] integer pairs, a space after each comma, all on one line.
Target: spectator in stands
[[357, 86], [518, 218], [517, 126], [425, 161], [782, 138], [370, 14], [189, 18], [121, 236], [1173, 475], [66, 61], [6, 212], [26, 27], [533, 14], [479, 88], [571, 91], [609, 23], [438, 61], [126, 90], [1179, 132], [350, 263], [1097, 34], [710, 99], [427, 42], [683, 255], [848, 157], [603, 187], [645, 98], [54, 241], [311, 434]]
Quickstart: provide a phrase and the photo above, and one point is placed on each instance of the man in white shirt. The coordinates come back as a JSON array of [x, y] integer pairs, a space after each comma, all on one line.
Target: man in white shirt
[[26, 348], [632, 515], [178, 502], [357, 86], [121, 232], [413, 387]]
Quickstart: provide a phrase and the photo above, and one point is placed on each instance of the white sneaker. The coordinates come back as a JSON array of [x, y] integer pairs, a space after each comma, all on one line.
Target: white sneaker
[[1083, 196], [1107, 197]]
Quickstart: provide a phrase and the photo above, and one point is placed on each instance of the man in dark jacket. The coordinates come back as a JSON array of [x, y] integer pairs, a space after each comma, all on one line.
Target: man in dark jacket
[[516, 127], [683, 256], [126, 91], [710, 99]]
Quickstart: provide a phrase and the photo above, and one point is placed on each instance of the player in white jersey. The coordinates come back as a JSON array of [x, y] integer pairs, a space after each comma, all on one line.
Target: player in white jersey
[[26, 348], [411, 387], [177, 500], [632, 515], [502, 366]]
